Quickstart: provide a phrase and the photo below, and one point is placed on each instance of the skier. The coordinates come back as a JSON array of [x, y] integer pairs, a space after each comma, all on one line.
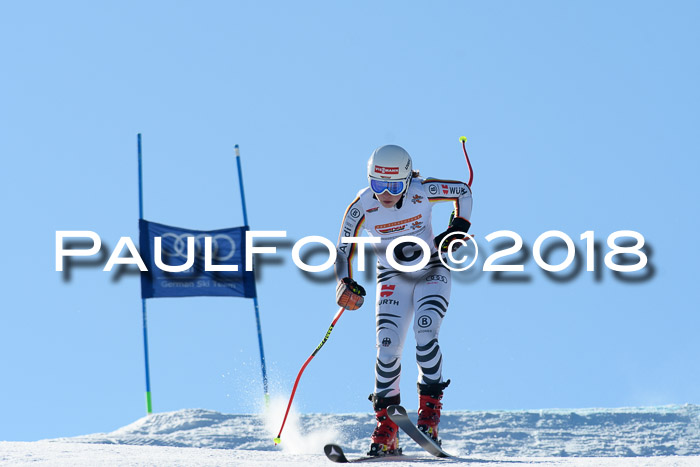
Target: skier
[[396, 203]]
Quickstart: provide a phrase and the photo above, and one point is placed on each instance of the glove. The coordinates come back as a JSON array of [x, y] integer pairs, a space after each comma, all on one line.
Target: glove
[[349, 294], [457, 224]]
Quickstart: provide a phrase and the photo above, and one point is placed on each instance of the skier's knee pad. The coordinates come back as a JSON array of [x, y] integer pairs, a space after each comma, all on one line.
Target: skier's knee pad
[[426, 326], [388, 342]]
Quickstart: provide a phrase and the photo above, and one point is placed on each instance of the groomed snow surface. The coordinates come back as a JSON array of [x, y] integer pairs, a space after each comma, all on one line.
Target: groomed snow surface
[[659, 436]]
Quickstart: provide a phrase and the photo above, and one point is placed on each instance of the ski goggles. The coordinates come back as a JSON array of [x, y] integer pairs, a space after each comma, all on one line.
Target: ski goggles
[[394, 187]]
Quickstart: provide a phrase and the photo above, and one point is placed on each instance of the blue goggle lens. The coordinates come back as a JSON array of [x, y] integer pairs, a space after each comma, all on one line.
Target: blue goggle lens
[[392, 186]]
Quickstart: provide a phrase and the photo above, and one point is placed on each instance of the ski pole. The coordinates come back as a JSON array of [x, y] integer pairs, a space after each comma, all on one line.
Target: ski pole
[[296, 382], [463, 139]]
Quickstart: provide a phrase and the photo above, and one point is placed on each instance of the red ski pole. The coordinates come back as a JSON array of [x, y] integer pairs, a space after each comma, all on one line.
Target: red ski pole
[[463, 139], [296, 382]]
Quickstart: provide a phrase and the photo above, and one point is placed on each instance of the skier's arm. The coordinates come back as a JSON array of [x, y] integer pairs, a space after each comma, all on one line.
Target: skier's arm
[[450, 190], [461, 195], [353, 220]]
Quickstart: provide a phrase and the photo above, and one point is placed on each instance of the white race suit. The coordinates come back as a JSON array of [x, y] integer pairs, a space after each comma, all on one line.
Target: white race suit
[[403, 298]]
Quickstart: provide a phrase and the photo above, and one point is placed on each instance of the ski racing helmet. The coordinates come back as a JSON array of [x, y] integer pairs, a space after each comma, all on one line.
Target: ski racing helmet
[[389, 169]]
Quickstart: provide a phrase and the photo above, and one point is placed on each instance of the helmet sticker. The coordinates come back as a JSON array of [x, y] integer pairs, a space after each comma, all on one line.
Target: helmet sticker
[[386, 170]]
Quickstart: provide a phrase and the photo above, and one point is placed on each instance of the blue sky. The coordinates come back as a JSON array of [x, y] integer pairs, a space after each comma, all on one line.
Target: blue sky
[[580, 116]]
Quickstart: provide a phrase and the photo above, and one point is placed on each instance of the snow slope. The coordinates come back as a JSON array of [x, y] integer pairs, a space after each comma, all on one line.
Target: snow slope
[[630, 436]]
